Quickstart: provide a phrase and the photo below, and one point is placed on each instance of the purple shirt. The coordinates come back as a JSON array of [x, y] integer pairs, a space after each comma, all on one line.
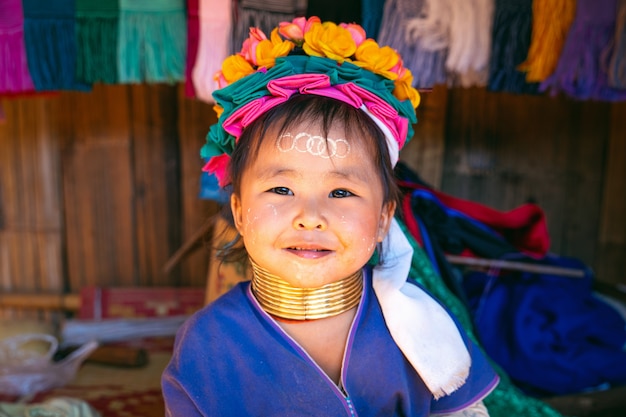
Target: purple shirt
[[232, 359]]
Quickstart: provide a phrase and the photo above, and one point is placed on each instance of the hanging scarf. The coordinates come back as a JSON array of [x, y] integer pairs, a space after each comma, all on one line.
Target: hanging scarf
[[349, 11], [581, 72], [371, 16], [551, 22], [617, 66], [152, 41], [14, 74], [464, 30], [97, 24], [512, 26], [193, 39], [427, 66], [263, 14], [443, 365], [215, 19], [49, 33]]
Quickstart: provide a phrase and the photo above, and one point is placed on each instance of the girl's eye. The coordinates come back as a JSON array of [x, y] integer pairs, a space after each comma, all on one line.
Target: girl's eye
[[340, 193], [281, 190]]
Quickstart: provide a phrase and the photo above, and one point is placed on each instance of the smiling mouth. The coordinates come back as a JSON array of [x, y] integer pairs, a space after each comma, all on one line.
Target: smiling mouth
[[309, 253]]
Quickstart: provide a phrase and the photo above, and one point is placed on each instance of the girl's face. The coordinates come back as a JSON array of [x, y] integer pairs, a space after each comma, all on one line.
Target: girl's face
[[311, 213]]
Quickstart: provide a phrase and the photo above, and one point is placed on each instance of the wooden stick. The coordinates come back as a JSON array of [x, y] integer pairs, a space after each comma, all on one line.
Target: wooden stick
[[517, 266], [69, 302], [191, 243]]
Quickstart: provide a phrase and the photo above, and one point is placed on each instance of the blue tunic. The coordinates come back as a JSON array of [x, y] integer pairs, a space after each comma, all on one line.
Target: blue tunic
[[232, 359]]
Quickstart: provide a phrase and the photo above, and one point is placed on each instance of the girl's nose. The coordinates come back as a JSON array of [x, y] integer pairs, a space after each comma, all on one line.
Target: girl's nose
[[310, 217]]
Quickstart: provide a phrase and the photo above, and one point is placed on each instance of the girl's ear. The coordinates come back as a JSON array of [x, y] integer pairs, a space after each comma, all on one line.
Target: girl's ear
[[386, 216], [235, 207]]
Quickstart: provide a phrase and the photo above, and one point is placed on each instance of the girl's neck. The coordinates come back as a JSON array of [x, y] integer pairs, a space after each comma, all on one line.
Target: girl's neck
[[285, 302]]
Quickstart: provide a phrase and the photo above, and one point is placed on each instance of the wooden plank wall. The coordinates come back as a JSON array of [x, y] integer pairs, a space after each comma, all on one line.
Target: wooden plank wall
[[101, 188], [31, 221], [567, 156], [94, 192]]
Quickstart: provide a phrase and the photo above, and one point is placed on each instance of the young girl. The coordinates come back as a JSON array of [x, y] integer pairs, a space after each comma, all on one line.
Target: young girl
[[308, 142]]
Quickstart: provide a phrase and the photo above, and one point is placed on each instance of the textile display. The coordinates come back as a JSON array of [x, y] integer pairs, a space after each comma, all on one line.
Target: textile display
[[428, 66], [152, 42], [581, 71], [97, 33], [568, 47], [14, 74], [214, 44], [551, 22], [193, 40], [263, 14], [617, 65], [461, 28], [371, 16], [349, 11], [512, 28], [49, 35]]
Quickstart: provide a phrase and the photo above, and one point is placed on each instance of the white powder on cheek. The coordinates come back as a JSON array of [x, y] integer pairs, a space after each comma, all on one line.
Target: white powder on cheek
[[372, 244], [251, 233]]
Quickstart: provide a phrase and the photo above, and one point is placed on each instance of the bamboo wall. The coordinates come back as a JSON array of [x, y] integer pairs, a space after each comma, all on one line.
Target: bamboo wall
[[100, 188]]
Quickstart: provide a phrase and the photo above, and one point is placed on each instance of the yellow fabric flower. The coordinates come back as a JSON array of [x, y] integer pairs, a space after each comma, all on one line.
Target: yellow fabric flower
[[403, 88], [329, 40], [376, 59], [235, 67], [218, 110], [269, 49]]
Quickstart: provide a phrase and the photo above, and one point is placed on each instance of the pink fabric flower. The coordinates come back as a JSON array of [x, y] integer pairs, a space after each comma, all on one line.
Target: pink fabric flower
[[248, 49], [356, 31], [295, 29]]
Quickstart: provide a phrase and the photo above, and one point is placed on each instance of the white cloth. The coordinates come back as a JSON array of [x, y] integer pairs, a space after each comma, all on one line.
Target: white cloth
[[461, 27], [420, 326], [215, 19]]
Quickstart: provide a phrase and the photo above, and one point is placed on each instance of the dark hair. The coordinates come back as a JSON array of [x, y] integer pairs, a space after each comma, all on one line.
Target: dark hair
[[311, 109]]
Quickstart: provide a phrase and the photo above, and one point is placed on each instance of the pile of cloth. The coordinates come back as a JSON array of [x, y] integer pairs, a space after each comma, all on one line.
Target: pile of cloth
[[535, 313]]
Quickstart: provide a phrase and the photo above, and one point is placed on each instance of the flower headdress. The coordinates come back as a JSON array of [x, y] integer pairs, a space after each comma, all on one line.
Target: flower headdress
[[306, 56]]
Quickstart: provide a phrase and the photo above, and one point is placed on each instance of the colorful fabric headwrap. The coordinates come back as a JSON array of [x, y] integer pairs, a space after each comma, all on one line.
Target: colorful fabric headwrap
[[306, 56], [309, 57]]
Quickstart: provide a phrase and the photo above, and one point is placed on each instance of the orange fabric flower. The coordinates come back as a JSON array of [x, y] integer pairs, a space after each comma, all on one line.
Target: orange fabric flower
[[329, 40], [376, 59], [404, 90]]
